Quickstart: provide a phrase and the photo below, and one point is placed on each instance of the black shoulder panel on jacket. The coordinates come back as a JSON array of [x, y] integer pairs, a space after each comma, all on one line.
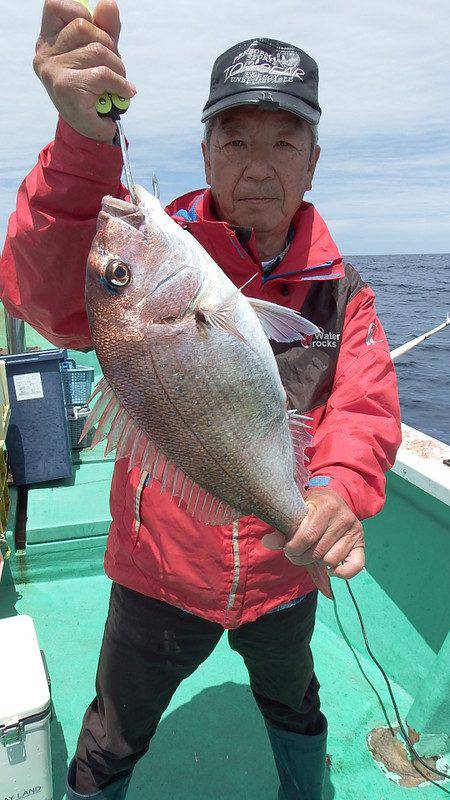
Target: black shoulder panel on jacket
[[354, 279], [308, 373]]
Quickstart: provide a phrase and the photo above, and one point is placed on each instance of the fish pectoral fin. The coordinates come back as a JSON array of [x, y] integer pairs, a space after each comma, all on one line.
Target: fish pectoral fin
[[221, 316], [280, 323]]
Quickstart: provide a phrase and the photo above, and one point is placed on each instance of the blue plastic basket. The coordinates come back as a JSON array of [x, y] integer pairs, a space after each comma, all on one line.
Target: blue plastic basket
[[76, 419], [77, 382]]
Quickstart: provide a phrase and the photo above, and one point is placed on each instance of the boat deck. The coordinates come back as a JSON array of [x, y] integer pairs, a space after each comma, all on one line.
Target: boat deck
[[211, 743]]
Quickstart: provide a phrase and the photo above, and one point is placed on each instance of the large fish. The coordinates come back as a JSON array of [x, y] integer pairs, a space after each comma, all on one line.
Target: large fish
[[191, 390]]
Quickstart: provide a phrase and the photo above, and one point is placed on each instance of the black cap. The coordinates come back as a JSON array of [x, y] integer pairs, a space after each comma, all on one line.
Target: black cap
[[265, 72]]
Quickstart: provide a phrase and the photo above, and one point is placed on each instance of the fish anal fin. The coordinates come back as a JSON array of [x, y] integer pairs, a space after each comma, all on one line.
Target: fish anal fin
[[129, 441], [137, 451], [192, 498], [101, 388], [101, 404], [301, 439], [115, 432]]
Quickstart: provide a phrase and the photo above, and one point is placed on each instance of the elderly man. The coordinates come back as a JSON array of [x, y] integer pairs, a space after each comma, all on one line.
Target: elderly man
[[171, 596]]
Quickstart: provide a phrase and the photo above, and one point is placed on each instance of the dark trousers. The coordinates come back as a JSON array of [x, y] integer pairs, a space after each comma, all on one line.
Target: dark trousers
[[149, 647]]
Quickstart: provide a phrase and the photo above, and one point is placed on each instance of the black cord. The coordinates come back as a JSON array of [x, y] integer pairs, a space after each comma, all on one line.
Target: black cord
[[357, 657], [405, 736]]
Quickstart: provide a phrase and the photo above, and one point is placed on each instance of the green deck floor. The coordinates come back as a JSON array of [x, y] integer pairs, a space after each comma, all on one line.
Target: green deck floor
[[211, 742]]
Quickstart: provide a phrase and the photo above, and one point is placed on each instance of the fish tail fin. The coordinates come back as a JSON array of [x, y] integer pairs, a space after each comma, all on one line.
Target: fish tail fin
[[320, 578]]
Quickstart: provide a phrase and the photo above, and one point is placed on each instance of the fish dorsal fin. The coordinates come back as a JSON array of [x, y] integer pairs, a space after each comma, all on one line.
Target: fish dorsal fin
[[280, 323], [129, 441], [301, 439]]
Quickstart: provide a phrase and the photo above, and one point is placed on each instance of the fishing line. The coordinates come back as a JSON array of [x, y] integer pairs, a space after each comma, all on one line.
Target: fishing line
[[403, 732]]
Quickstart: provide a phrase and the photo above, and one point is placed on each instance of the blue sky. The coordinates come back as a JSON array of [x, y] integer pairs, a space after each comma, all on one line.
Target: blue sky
[[383, 180]]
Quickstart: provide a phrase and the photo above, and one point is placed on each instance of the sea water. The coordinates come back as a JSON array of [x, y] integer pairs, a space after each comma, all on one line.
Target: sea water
[[412, 296]]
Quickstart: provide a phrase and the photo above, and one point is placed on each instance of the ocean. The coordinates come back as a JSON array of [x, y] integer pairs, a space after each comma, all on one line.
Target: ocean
[[412, 296]]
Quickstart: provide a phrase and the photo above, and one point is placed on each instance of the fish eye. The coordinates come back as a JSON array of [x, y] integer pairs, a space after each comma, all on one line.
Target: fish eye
[[117, 273]]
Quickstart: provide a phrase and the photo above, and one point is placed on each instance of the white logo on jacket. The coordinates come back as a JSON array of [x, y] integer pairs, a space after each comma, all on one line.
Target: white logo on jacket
[[325, 339]]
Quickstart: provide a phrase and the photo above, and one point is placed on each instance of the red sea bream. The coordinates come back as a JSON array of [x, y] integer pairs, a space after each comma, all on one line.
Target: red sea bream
[[191, 390]]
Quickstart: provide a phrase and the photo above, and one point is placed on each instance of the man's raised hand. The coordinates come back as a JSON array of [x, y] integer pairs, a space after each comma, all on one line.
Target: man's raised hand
[[77, 60]]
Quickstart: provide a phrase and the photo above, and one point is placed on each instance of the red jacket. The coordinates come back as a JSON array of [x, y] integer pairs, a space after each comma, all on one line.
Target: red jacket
[[221, 573]]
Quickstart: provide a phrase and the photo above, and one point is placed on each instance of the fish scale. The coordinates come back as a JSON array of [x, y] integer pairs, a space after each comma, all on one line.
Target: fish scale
[[201, 429]]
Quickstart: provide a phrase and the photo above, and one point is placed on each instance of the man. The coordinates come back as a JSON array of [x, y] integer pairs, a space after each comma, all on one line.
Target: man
[[172, 597]]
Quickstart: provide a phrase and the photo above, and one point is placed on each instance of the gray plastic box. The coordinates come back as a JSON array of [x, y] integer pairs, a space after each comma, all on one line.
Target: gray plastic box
[[25, 711]]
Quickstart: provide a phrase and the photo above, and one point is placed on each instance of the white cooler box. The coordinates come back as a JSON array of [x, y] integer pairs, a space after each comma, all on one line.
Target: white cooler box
[[25, 710]]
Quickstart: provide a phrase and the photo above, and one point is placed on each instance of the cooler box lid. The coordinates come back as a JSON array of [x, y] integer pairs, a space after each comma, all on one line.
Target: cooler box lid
[[25, 690]]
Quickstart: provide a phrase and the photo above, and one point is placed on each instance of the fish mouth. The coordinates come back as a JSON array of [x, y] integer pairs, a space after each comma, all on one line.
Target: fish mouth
[[126, 211], [116, 207]]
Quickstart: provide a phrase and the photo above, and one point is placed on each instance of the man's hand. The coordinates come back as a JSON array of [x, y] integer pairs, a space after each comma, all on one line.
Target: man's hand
[[77, 60], [329, 534]]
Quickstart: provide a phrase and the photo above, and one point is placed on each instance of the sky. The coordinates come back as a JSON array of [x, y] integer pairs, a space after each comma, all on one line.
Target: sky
[[383, 179]]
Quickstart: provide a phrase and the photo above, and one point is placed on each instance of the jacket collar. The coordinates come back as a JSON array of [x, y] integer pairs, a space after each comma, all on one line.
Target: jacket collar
[[313, 255]]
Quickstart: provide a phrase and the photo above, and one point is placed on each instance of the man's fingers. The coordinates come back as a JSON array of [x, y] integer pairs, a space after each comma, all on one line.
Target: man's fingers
[[339, 551], [102, 79], [274, 541], [57, 14], [77, 60], [327, 541], [82, 32], [353, 564], [107, 17], [300, 559], [310, 529], [93, 55]]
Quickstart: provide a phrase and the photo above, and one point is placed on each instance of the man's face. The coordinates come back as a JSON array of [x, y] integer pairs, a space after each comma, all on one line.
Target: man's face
[[259, 166]]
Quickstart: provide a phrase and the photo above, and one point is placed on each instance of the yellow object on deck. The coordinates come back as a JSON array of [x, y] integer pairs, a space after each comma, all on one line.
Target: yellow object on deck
[[5, 413], [5, 410], [4, 494]]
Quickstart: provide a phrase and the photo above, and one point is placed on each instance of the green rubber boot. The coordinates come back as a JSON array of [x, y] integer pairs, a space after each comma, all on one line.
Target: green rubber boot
[[114, 791], [300, 761]]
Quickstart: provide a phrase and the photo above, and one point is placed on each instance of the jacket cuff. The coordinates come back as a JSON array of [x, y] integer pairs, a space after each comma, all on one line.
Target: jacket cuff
[[333, 483], [84, 157]]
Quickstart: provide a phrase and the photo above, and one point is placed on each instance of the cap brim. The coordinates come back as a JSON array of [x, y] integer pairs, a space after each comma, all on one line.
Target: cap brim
[[282, 101]]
